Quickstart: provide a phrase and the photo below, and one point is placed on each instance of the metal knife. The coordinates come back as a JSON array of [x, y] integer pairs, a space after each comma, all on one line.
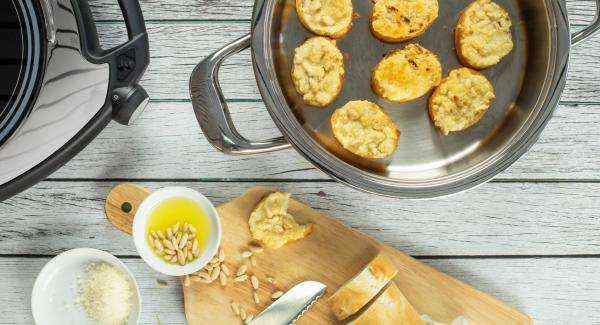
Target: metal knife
[[291, 306]]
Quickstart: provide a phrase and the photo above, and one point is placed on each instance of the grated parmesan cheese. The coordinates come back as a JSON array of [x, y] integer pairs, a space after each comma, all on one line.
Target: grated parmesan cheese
[[106, 294]]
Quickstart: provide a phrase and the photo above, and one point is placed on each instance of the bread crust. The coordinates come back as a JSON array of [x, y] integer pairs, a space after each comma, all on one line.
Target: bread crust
[[437, 93], [393, 32], [358, 139], [339, 33], [358, 291], [390, 307], [301, 81], [504, 37], [424, 73]]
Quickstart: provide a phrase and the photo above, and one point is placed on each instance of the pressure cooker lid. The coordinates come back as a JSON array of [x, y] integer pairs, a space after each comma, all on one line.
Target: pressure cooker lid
[[21, 62]]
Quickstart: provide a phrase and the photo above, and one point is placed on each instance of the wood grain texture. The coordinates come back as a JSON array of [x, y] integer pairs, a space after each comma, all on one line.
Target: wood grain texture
[[580, 12], [175, 48], [552, 291], [166, 142], [495, 219]]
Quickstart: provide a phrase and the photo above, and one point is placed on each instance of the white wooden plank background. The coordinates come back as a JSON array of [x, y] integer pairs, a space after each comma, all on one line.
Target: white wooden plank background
[[530, 237]]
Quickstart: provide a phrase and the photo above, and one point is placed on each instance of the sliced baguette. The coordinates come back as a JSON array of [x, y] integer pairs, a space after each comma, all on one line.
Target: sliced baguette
[[357, 292], [483, 37], [397, 21], [389, 308], [332, 18]]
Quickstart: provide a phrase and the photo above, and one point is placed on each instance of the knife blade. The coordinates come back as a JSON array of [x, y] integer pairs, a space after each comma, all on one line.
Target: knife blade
[[291, 306]]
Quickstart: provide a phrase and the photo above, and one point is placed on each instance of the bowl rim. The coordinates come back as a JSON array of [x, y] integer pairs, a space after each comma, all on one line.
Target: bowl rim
[[139, 230], [83, 253]]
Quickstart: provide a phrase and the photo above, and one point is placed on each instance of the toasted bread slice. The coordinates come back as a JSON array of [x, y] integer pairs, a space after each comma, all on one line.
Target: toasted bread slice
[[364, 129], [271, 224], [401, 20], [357, 292], [389, 308], [483, 35], [318, 71], [460, 100], [406, 74], [332, 18]]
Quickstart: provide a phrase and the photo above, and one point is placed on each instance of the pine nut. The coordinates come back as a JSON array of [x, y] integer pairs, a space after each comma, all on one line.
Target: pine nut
[[174, 242], [236, 308], [204, 275], [209, 268], [225, 269], [160, 235], [246, 254], [168, 257], [277, 294], [190, 257], [271, 279], [241, 270], [254, 281], [176, 228], [221, 255], [241, 278], [178, 236], [192, 229], [170, 252], [195, 246], [154, 234], [168, 244], [248, 319], [183, 241], [223, 279], [186, 281], [169, 234], [180, 257], [185, 227], [160, 253], [253, 260], [184, 251], [242, 313], [256, 248], [214, 260], [151, 241], [189, 245], [158, 245], [256, 298], [214, 274], [174, 259]]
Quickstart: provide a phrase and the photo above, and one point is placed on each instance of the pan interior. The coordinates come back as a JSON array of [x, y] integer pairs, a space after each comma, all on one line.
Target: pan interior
[[423, 153]]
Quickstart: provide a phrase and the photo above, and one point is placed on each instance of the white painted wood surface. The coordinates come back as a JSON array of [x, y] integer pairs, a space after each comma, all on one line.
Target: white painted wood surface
[[546, 205]]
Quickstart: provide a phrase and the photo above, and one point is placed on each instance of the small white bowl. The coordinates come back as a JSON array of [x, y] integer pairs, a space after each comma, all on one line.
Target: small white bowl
[[141, 219], [53, 300]]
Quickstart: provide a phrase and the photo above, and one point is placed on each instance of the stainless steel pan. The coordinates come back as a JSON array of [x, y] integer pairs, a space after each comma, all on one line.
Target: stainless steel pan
[[528, 85]]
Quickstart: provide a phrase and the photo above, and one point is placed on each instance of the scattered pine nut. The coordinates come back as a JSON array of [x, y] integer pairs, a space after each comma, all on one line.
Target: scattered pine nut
[[214, 260], [236, 308], [241, 278], [256, 248], [277, 294], [243, 313], [241, 270], [186, 280], [225, 269], [253, 260], [214, 274], [256, 298], [246, 254], [162, 284], [254, 281], [223, 279], [248, 319], [271, 280]]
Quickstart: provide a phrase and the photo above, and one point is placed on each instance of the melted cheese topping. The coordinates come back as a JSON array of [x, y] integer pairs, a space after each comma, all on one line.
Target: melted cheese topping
[[325, 17], [407, 74], [364, 129], [401, 20], [461, 100], [318, 71], [483, 34]]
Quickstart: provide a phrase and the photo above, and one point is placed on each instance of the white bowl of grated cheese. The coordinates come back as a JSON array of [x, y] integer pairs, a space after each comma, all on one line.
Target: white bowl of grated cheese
[[85, 286]]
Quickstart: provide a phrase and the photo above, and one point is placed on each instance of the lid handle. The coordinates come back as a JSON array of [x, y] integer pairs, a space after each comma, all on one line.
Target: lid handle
[[211, 109], [591, 30]]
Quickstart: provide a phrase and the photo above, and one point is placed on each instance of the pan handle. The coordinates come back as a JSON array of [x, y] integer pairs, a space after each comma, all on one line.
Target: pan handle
[[211, 109], [589, 31]]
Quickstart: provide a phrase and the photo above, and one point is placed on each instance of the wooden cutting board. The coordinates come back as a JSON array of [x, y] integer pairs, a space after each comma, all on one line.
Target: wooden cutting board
[[332, 254]]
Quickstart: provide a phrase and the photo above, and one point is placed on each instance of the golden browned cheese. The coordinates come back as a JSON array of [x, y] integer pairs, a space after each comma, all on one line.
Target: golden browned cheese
[[483, 35], [401, 20], [272, 225], [406, 74], [318, 71], [460, 100], [364, 129], [332, 18]]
